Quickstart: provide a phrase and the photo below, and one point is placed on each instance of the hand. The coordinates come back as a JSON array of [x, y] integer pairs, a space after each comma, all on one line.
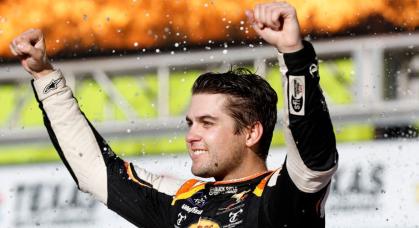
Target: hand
[[29, 47], [277, 24]]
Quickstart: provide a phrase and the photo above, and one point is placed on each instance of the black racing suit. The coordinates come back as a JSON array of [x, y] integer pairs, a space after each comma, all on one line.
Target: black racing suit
[[291, 196]]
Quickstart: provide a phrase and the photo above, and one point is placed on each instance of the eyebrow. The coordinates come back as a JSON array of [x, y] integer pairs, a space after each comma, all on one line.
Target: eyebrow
[[201, 118]]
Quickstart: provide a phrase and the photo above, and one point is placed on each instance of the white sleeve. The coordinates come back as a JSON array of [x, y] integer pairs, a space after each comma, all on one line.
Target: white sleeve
[[85, 153]]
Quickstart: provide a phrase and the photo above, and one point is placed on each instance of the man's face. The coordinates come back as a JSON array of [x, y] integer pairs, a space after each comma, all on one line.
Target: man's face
[[213, 146]]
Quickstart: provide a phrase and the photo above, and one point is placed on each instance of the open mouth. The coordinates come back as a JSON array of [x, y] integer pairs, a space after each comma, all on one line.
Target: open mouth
[[198, 152]]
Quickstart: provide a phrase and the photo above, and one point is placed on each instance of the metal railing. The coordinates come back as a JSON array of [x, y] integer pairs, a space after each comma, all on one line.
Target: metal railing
[[368, 55]]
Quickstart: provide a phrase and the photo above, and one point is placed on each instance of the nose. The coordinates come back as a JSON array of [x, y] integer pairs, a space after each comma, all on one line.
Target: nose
[[192, 135]]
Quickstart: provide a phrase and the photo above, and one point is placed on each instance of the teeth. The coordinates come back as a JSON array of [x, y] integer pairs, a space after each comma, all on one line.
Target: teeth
[[197, 152]]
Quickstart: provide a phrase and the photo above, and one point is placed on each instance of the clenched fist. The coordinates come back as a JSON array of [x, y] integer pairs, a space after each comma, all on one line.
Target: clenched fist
[[277, 24], [29, 47]]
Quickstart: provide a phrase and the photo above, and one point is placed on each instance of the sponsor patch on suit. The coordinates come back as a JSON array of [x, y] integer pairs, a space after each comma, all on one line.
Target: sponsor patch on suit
[[53, 85], [296, 95]]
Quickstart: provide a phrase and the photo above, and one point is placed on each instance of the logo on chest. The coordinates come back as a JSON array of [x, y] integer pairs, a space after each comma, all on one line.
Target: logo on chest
[[234, 215], [193, 210], [205, 223], [216, 190], [237, 201], [180, 218], [199, 200]]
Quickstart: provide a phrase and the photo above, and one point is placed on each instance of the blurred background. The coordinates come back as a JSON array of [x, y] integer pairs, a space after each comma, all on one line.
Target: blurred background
[[131, 65]]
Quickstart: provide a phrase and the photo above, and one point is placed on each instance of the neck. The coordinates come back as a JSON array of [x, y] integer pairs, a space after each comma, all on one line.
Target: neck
[[248, 167]]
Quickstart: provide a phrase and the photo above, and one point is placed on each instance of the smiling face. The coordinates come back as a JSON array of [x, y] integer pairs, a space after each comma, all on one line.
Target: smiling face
[[214, 147]]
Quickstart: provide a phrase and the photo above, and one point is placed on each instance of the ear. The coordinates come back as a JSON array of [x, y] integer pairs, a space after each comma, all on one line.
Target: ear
[[254, 133]]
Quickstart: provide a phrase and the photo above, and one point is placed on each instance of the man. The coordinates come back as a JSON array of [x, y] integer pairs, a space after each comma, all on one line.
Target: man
[[231, 120]]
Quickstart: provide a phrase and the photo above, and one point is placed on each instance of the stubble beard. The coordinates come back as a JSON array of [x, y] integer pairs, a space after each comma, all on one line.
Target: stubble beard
[[217, 168], [205, 169]]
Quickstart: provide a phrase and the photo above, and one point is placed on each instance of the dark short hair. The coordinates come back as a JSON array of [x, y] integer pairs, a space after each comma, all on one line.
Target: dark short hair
[[250, 99]]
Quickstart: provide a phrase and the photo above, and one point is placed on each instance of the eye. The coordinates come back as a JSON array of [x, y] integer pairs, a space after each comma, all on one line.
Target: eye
[[207, 124], [189, 123]]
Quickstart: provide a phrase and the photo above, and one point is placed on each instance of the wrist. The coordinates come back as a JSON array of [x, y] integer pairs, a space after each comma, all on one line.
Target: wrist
[[290, 48], [299, 60], [47, 70]]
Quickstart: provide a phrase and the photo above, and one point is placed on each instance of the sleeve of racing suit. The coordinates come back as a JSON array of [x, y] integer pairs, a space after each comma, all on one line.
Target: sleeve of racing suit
[[311, 146], [140, 197], [295, 195]]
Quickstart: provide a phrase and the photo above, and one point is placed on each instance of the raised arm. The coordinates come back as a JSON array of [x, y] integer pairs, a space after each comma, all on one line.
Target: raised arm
[[132, 192], [311, 156]]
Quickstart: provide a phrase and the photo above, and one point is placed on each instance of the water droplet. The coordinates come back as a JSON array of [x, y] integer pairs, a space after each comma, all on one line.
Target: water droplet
[[128, 130], [157, 50], [136, 44], [225, 52]]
